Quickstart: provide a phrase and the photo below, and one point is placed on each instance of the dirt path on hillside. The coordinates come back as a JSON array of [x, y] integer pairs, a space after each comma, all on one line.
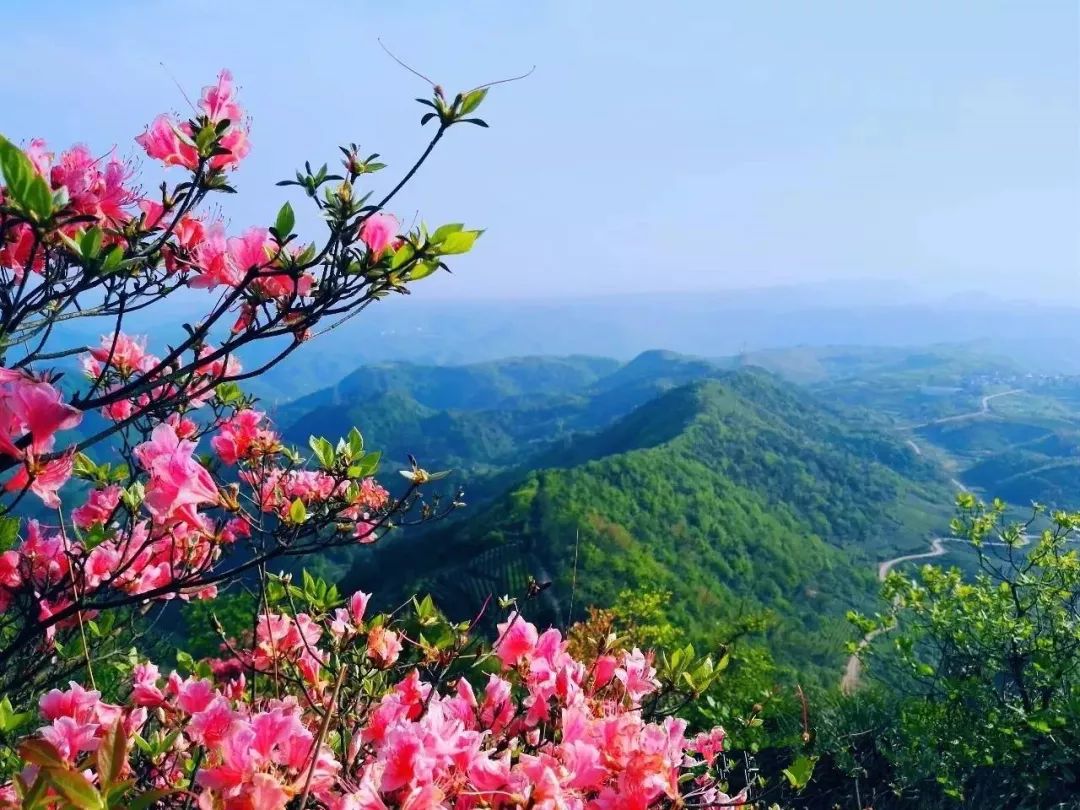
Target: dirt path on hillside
[[854, 665]]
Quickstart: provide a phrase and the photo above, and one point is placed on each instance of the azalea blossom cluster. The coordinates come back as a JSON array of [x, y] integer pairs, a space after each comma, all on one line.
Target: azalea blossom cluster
[[160, 536], [150, 476], [79, 239], [32, 412], [347, 722]]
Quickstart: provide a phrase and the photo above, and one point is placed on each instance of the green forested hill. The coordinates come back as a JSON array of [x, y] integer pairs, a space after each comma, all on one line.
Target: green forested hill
[[738, 494], [484, 418]]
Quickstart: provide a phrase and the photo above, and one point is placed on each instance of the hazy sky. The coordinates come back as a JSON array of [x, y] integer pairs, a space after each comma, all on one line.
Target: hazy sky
[[658, 146]]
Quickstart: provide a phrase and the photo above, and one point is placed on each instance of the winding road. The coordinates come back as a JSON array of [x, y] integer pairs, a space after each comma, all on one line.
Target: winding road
[[850, 681], [853, 667], [984, 408]]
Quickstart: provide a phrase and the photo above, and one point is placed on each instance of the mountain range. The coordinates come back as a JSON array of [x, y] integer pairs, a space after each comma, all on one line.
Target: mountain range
[[731, 489]]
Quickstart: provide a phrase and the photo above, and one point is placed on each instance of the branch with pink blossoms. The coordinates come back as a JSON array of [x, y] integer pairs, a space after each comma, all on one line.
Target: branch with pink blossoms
[[150, 517]]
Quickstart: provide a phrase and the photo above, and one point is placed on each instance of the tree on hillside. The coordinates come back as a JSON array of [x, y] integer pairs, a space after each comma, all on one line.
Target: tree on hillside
[[987, 668]]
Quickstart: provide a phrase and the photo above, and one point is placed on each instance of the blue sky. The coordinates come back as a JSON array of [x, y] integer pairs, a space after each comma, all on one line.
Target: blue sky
[[658, 146]]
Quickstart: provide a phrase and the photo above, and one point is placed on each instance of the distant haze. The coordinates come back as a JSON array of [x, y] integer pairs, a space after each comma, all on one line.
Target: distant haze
[[658, 146]]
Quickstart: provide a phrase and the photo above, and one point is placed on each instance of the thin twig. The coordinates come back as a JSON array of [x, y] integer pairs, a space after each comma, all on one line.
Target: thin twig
[[414, 71], [573, 580], [323, 728], [524, 75]]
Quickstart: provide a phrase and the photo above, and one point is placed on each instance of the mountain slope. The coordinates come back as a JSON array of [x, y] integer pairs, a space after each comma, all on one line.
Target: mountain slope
[[484, 418], [737, 495]]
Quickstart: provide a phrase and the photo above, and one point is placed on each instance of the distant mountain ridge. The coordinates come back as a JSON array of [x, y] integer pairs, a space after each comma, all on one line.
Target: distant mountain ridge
[[714, 324]]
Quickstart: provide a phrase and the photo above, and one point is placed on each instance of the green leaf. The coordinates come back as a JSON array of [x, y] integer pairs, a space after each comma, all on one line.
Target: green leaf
[[286, 219], [41, 752], [113, 257], [444, 231], [90, 243], [84, 467], [472, 100], [356, 442], [25, 187], [459, 242], [9, 532], [297, 511], [369, 464], [799, 772], [1039, 724], [10, 720], [39, 198], [185, 661], [74, 787], [402, 255], [423, 270], [228, 392], [324, 451], [112, 753]]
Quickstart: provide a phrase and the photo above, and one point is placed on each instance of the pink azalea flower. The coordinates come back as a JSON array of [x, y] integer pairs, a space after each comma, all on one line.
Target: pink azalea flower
[[91, 190], [125, 354], [358, 603], [178, 483], [378, 232], [214, 262], [10, 576], [77, 703], [31, 406], [218, 101], [44, 479], [239, 145], [100, 565], [251, 250], [195, 695], [241, 435], [604, 670], [70, 737], [384, 646], [99, 506], [162, 142], [517, 639], [637, 675], [266, 793], [145, 691], [709, 744]]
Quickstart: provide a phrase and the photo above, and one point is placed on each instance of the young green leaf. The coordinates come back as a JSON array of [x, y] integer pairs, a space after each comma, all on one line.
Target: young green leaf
[[472, 100], [286, 219], [444, 231], [459, 242], [324, 451], [90, 243], [798, 773]]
